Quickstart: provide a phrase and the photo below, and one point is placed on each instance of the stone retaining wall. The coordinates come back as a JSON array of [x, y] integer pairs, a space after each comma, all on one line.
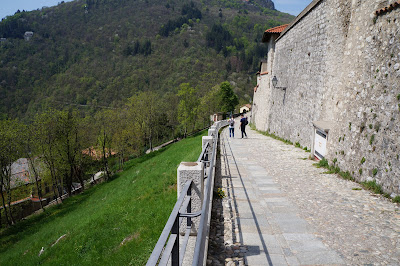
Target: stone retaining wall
[[339, 63]]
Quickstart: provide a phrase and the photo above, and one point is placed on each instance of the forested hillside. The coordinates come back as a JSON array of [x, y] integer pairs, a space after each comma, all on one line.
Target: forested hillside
[[97, 53]]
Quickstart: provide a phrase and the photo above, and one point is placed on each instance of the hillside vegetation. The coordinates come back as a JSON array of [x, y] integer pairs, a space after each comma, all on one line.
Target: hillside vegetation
[[97, 53], [115, 223]]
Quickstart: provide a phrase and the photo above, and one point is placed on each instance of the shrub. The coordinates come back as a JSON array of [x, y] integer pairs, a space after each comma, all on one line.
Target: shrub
[[346, 175], [322, 163], [374, 171], [371, 140], [373, 186], [396, 199], [220, 193]]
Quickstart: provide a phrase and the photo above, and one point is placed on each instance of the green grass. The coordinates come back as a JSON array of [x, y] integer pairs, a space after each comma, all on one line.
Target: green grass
[[396, 199], [373, 186], [334, 169], [322, 163], [135, 205]]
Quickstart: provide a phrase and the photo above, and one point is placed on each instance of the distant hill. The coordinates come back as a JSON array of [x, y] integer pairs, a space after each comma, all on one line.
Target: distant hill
[[99, 52]]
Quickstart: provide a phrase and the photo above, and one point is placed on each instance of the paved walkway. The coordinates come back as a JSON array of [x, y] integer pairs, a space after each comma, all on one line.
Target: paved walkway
[[282, 210]]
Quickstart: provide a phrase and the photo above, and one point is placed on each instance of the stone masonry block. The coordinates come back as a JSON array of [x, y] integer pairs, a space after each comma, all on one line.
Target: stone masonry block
[[212, 132], [192, 171], [205, 141]]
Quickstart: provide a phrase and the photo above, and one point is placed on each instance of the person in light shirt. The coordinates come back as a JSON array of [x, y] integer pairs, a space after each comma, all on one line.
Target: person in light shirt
[[231, 123]]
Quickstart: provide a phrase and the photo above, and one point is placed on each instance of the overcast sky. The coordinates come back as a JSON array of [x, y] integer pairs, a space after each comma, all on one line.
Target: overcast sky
[[9, 7]]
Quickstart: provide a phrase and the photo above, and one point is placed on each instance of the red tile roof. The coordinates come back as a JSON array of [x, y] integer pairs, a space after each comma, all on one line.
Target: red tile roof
[[278, 29], [387, 8]]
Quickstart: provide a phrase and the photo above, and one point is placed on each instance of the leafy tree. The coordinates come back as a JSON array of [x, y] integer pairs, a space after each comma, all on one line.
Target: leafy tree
[[144, 108], [228, 97], [69, 148], [128, 137], [187, 108], [210, 104], [105, 123], [218, 37], [31, 149], [191, 11], [45, 125], [11, 149]]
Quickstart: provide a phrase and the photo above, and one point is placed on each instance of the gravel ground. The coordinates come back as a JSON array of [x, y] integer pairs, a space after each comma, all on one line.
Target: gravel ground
[[363, 228]]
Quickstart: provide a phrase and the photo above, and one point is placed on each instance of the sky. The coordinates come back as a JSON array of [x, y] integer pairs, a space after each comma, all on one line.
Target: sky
[[293, 7], [9, 7]]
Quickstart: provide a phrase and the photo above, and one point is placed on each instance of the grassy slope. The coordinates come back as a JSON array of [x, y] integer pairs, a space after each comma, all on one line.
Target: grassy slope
[[136, 205]]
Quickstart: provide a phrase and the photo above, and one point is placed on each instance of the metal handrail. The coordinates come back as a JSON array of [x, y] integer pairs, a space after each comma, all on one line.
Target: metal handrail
[[204, 152], [168, 244], [171, 224], [202, 234]]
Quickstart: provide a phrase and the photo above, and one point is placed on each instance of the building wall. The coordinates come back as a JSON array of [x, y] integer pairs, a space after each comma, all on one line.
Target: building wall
[[262, 97], [340, 63]]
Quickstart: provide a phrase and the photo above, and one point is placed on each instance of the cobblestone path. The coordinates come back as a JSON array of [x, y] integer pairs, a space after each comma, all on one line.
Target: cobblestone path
[[282, 210]]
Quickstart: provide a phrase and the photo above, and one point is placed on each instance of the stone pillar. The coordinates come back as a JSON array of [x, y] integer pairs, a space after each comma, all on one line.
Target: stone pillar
[[205, 140], [192, 171], [212, 132]]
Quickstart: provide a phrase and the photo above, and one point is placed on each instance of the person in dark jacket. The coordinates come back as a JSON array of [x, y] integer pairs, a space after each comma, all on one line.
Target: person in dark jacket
[[243, 123]]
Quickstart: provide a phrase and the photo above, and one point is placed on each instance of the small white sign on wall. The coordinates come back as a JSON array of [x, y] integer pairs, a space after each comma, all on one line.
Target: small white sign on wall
[[320, 144]]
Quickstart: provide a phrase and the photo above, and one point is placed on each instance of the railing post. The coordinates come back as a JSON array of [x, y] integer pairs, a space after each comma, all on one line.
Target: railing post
[[207, 140], [192, 171], [189, 207], [212, 132], [175, 249]]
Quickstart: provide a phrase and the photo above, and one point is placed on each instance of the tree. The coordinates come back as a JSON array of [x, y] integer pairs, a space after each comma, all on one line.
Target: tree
[[187, 108], [69, 149], [45, 127], [105, 123], [128, 137], [209, 104], [144, 108], [30, 152], [11, 149], [228, 98]]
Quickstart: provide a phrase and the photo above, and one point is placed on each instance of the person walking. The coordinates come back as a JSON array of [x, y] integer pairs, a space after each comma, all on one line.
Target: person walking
[[231, 123], [243, 123]]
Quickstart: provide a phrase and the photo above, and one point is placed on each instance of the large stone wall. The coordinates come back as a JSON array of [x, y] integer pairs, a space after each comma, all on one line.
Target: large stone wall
[[339, 63]]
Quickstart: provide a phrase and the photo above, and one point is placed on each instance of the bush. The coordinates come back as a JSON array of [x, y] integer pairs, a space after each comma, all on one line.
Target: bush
[[322, 163], [396, 199], [373, 186], [220, 193]]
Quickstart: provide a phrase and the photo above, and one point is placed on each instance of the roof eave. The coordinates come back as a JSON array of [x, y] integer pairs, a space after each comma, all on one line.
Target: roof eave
[[267, 36]]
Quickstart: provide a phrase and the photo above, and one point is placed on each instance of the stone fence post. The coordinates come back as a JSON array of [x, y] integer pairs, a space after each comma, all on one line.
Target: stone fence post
[[212, 132], [192, 171], [208, 140]]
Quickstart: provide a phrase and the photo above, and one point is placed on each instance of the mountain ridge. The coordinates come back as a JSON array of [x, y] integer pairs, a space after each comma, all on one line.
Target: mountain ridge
[[81, 51]]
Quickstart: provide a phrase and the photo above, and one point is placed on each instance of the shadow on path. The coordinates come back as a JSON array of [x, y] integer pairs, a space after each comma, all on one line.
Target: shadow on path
[[228, 174]]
